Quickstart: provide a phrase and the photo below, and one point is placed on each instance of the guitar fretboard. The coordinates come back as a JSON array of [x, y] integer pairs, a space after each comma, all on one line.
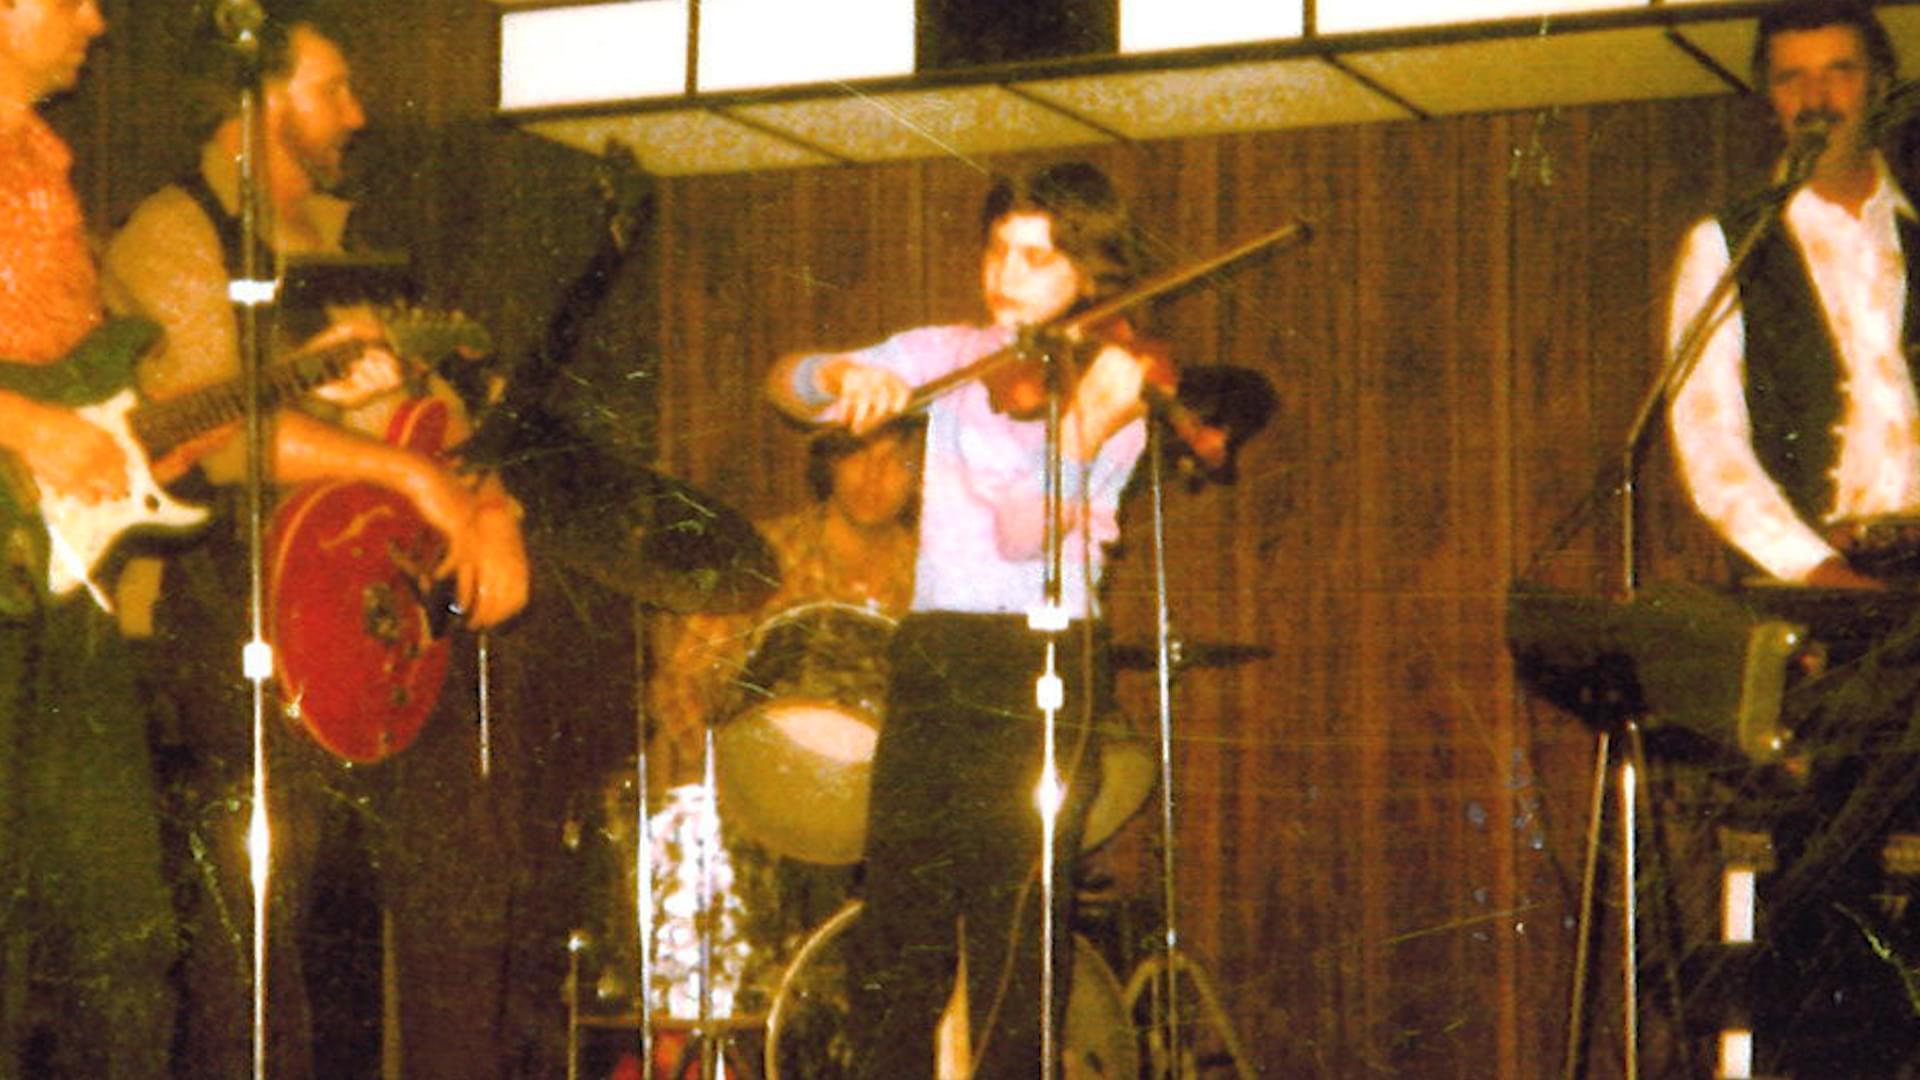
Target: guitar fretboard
[[162, 425]]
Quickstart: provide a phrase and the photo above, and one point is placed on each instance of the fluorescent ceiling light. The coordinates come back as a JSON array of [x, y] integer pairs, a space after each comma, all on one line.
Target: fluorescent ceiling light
[[1158, 25], [592, 52], [756, 43], [1349, 16]]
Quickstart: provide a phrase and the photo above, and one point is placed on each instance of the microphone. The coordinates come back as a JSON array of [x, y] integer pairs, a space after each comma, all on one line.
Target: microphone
[[239, 21], [1809, 141]]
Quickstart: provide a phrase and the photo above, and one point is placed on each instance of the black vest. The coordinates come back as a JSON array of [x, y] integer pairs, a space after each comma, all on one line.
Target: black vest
[[1793, 364]]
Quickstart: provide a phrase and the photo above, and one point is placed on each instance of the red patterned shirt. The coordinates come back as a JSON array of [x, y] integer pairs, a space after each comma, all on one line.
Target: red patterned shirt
[[49, 288]]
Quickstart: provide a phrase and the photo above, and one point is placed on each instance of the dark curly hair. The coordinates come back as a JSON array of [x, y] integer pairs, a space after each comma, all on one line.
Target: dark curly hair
[[1090, 220], [837, 444]]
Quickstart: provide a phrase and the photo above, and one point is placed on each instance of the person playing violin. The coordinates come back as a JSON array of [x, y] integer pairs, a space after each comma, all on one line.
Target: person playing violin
[[954, 835]]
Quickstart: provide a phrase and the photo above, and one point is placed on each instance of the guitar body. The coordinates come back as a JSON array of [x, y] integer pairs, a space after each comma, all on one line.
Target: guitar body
[[360, 652], [81, 534], [95, 380]]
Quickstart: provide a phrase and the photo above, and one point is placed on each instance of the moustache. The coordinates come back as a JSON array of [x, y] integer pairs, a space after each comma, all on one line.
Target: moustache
[[1817, 120]]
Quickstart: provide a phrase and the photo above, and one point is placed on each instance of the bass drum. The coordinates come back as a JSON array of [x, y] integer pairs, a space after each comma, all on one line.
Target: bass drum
[[806, 1025], [794, 758]]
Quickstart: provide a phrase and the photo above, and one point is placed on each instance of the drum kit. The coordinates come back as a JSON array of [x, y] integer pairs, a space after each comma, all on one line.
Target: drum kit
[[786, 794]]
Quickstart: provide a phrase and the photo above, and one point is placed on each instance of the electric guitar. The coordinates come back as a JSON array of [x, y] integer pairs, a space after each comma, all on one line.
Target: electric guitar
[[357, 622], [96, 381]]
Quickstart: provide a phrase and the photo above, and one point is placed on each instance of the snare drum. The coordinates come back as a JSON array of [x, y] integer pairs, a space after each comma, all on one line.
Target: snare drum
[[793, 759]]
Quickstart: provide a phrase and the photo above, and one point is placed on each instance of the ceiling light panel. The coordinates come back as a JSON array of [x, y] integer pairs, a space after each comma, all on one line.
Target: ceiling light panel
[[1352, 16], [958, 121], [758, 43], [587, 53], [1235, 97], [1500, 74], [1157, 25]]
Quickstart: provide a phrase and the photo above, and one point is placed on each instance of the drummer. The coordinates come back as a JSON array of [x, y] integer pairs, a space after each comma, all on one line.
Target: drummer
[[854, 544]]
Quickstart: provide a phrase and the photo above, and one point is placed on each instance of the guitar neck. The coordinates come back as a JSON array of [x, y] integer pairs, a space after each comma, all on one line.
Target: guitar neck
[[161, 426]]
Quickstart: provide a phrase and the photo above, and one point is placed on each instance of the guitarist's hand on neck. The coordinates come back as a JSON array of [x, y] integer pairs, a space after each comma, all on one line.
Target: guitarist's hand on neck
[[376, 372]]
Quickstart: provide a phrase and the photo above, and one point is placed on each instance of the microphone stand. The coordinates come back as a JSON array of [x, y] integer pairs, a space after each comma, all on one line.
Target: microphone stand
[[1679, 368], [1049, 693], [1680, 365], [250, 294], [1168, 1014]]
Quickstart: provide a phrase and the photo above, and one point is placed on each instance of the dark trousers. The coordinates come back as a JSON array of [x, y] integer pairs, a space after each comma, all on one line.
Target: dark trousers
[[954, 844], [423, 835], [86, 929]]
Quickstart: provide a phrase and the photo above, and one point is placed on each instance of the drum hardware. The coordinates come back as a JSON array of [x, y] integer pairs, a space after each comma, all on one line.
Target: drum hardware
[[674, 885], [1188, 654], [1162, 1060], [1099, 1039], [793, 761], [679, 1045]]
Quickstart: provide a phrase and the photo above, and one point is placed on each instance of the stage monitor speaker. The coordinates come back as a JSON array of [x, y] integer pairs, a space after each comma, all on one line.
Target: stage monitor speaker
[[951, 34]]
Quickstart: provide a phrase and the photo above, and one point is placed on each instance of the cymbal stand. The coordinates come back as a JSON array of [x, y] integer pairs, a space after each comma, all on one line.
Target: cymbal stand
[[1168, 966], [706, 1041], [643, 914], [483, 702]]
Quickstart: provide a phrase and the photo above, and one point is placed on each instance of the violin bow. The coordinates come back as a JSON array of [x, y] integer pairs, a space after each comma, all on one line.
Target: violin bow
[[1209, 443]]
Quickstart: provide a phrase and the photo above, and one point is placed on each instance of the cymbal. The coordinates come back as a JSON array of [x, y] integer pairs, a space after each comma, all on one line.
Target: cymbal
[[1188, 654], [637, 531]]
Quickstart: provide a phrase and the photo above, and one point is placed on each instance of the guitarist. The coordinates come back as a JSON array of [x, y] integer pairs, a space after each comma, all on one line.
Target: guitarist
[[86, 930], [428, 829]]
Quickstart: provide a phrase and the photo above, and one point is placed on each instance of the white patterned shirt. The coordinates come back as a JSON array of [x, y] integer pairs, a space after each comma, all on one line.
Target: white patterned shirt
[[1859, 274]]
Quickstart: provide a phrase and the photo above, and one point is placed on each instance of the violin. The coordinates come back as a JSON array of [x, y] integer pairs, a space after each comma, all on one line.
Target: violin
[[1016, 377], [1017, 381]]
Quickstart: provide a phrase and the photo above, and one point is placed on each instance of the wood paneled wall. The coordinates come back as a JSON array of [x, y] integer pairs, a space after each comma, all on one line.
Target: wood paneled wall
[[1379, 837]]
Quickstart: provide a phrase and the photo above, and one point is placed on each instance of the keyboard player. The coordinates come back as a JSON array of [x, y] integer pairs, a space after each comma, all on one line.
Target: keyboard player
[[1800, 414]]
